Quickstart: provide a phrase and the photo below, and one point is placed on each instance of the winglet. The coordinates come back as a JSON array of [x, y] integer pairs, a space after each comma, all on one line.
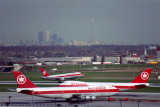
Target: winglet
[[143, 77], [45, 74], [23, 81]]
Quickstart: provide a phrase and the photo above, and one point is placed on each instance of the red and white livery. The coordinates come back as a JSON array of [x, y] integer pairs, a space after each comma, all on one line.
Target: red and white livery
[[60, 77], [139, 82], [85, 92]]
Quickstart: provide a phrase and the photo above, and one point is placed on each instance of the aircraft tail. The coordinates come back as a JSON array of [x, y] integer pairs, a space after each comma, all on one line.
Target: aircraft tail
[[23, 81], [45, 74], [143, 77]]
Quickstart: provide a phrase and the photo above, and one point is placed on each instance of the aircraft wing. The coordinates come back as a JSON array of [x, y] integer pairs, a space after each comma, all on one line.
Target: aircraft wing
[[22, 91], [63, 78], [58, 78], [53, 78]]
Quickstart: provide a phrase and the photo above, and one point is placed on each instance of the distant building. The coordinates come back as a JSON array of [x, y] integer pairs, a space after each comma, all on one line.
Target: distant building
[[40, 38], [47, 36], [158, 53], [152, 47], [63, 60], [83, 43], [55, 37], [56, 40], [134, 55], [131, 60], [108, 60]]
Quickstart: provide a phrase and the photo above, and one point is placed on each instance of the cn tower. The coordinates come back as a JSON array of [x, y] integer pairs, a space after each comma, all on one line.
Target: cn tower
[[92, 29]]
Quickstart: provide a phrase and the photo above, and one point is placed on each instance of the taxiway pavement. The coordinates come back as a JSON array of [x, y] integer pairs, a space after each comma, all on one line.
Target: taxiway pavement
[[19, 100]]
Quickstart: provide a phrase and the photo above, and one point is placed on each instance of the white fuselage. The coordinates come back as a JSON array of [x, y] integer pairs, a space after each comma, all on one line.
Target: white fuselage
[[64, 76], [120, 86], [70, 92]]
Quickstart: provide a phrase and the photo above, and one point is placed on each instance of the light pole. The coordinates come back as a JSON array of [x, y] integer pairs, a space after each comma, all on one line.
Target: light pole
[[8, 101], [9, 98], [120, 102], [138, 102]]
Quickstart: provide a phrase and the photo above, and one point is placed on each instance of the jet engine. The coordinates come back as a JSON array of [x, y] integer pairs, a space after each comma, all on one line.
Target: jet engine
[[88, 97], [62, 79]]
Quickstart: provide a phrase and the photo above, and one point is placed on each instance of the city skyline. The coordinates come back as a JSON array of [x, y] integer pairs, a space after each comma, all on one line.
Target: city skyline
[[110, 21]]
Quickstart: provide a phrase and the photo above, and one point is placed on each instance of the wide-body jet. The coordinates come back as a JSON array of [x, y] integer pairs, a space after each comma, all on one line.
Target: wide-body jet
[[79, 93], [60, 77], [139, 82]]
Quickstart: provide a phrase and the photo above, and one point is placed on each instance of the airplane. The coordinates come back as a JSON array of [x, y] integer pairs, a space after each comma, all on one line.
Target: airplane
[[139, 82], [60, 77], [68, 93]]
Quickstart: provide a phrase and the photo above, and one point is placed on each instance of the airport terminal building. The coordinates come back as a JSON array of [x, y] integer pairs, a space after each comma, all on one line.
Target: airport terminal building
[[134, 59]]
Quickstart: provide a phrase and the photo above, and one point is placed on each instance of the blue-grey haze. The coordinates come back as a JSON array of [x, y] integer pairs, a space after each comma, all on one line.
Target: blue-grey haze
[[114, 21]]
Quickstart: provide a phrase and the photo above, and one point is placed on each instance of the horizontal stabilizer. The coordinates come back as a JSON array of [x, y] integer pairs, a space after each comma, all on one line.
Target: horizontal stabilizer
[[10, 89]]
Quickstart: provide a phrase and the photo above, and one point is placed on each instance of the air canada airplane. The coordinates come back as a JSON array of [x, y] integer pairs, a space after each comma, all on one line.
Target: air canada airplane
[[139, 82], [60, 77], [68, 93]]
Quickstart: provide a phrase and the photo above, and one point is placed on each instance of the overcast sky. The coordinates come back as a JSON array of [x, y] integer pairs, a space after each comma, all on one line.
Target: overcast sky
[[114, 21]]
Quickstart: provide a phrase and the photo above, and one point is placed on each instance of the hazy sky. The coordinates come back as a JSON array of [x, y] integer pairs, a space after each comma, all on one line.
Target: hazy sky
[[115, 21]]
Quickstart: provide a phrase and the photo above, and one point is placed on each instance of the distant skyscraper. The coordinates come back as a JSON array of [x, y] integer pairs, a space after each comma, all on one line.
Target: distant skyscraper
[[47, 36], [40, 38], [55, 37], [74, 42]]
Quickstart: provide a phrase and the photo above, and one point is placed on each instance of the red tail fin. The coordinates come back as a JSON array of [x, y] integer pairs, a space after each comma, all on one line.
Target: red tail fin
[[143, 77], [22, 81], [45, 74]]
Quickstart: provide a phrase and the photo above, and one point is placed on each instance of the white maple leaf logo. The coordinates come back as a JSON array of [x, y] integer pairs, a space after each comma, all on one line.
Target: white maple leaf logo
[[44, 72], [21, 79], [144, 75]]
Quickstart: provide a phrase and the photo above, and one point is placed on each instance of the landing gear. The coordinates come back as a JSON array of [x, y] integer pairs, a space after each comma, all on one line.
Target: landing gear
[[73, 100], [68, 100], [78, 99], [55, 101], [59, 81]]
